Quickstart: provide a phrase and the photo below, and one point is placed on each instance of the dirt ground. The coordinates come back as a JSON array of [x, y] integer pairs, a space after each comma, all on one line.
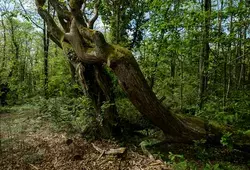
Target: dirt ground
[[27, 142]]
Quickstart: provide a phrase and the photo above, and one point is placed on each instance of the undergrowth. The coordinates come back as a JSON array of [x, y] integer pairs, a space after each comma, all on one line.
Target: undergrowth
[[73, 115]]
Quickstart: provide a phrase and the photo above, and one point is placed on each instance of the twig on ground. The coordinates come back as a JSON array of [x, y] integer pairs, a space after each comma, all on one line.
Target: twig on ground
[[100, 155], [33, 166], [118, 151]]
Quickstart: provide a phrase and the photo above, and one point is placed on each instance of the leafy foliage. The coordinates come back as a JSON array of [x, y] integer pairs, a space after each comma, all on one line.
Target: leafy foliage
[[68, 114]]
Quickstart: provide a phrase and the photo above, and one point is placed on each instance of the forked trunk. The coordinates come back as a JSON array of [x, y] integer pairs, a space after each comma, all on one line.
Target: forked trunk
[[97, 85]]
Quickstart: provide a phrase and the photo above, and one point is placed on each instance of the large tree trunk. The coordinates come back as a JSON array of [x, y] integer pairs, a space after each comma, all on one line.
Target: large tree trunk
[[96, 84], [90, 48], [99, 91], [140, 94]]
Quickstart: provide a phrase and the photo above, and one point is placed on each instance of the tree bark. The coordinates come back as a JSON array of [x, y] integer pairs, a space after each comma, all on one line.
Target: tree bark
[[140, 94], [97, 86]]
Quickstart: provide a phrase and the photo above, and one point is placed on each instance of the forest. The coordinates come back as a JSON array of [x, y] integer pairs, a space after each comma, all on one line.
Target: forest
[[125, 85]]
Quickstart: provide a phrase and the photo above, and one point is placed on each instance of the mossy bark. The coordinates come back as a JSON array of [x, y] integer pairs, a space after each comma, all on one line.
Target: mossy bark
[[131, 79]]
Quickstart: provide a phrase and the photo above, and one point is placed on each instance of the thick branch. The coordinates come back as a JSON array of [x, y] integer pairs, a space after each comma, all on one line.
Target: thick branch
[[94, 38], [40, 3], [83, 11], [92, 21], [86, 55], [75, 6], [56, 35], [117, 151], [53, 29], [63, 14], [56, 41], [61, 9]]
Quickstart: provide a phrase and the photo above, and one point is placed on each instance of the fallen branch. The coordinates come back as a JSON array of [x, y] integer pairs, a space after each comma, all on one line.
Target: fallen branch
[[118, 151], [144, 145], [96, 148], [100, 155], [146, 152], [34, 167]]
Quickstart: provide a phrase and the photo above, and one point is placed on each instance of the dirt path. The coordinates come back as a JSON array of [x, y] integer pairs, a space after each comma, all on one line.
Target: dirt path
[[27, 142]]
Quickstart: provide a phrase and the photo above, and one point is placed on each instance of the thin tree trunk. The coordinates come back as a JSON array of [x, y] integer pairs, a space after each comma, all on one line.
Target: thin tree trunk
[[182, 79], [4, 44], [14, 41], [239, 60], [243, 65], [117, 23], [45, 55], [219, 18], [15, 51], [221, 4], [204, 59], [152, 78], [3, 86], [172, 73], [230, 68]]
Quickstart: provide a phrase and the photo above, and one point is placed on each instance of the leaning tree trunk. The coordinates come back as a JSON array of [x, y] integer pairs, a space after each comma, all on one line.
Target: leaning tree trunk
[[91, 48]]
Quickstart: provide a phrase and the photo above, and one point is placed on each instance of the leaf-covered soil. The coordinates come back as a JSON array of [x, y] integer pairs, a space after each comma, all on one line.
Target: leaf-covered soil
[[28, 142]]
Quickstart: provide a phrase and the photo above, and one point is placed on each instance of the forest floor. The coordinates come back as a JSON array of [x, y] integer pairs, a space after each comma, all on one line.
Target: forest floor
[[29, 142]]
